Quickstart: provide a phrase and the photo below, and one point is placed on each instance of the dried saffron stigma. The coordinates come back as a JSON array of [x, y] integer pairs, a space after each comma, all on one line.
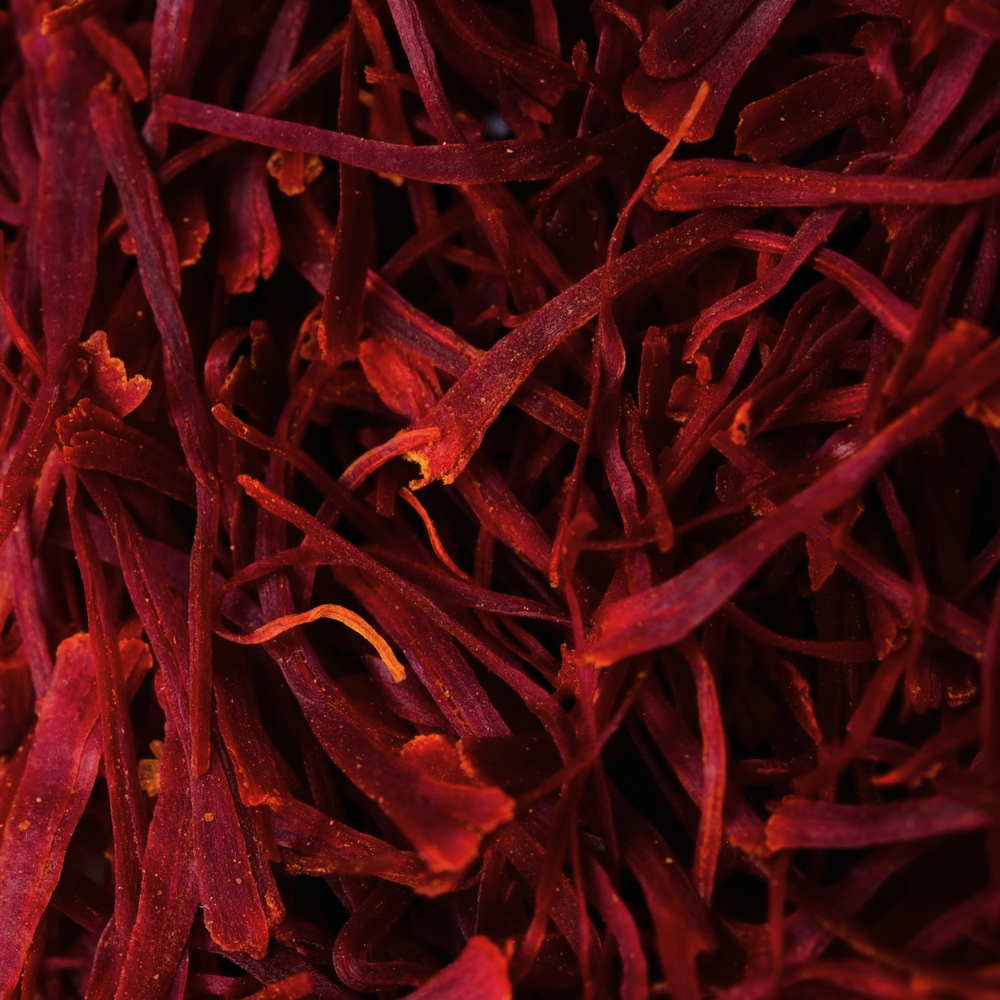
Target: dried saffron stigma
[[500, 499]]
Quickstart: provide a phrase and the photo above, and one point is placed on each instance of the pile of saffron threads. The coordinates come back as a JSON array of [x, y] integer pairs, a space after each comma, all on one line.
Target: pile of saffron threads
[[500, 499]]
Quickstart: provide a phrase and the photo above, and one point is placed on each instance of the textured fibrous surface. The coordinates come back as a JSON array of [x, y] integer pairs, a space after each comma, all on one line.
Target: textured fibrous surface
[[500, 499]]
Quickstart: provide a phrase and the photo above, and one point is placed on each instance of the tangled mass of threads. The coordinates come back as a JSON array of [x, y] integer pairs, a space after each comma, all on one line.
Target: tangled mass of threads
[[500, 498]]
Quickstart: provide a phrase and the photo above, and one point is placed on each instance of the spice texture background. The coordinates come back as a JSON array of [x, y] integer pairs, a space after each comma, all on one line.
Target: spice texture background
[[500, 499]]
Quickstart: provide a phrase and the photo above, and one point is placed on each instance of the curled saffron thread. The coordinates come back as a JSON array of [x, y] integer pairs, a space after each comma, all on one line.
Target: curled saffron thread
[[335, 613], [432, 533]]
